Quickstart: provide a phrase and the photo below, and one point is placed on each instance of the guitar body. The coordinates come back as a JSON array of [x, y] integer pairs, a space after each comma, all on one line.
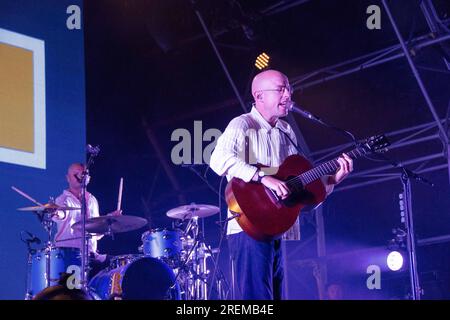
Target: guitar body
[[261, 215]]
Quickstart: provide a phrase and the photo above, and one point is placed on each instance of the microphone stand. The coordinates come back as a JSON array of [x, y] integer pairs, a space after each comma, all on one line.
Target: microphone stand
[[410, 241], [85, 238], [406, 176], [306, 114]]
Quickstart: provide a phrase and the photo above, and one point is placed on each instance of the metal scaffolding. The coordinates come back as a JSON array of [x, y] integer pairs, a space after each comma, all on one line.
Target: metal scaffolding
[[408, 136], [414, 135]]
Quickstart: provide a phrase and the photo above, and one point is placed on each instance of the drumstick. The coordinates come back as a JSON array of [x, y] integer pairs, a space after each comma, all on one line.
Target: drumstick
[[119, 200], [26, 196]]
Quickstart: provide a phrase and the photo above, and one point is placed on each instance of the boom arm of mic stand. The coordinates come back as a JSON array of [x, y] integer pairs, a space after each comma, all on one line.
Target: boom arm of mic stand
[[310, 116], [406, 173], [345, 132]]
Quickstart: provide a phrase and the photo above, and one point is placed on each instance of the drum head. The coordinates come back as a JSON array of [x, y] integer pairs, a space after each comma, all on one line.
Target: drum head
[[149, 279]]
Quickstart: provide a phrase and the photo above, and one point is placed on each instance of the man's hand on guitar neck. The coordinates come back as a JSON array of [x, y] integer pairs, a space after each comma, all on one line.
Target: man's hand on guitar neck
[[345, 167]]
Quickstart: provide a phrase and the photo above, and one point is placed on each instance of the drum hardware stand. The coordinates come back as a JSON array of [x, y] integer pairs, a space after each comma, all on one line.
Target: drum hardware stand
[[182, 269], [234, 215], [46, 220], [201, 271], [195, 286], [110, 232], [199, 286], [221, 277], [31, 251], [45, 217], [48, 223]]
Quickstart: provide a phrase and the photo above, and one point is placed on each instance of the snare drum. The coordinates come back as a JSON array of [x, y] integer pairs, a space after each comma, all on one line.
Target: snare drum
[[162, 244], [59, 261]]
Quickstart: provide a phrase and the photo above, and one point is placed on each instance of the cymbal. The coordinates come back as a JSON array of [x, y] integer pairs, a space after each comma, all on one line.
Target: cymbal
[[47, 207], [192, 210], [113, 224]]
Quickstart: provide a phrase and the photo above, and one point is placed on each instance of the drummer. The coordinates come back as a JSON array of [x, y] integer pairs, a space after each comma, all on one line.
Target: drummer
[[71, 197]]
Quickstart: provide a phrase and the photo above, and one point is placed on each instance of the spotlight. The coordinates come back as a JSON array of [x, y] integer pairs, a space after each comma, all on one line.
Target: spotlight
[[394, 260], [262, 61]]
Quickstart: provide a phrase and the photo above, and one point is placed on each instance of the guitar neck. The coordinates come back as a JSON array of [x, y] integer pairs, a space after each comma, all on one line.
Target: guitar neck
[[327, 168]]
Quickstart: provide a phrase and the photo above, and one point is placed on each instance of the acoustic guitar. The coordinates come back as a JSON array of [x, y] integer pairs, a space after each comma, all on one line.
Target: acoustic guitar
[[263, 215]]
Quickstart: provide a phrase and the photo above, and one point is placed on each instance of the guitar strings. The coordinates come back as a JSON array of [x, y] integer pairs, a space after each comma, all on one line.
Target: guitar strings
[[312, 173]]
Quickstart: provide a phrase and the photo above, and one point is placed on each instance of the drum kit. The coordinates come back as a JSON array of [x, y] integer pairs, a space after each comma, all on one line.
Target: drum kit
[[171, 263]]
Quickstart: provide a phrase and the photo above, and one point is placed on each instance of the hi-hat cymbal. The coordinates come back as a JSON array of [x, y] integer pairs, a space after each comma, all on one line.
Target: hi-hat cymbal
[[47, 207], [192, 210], [111, 224]]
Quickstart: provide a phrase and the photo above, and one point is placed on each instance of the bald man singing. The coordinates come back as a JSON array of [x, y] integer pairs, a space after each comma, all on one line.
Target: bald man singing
[[260, 136]]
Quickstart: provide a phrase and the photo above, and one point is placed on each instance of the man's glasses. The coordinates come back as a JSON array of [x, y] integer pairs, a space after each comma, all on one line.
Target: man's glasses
[[281, 89]]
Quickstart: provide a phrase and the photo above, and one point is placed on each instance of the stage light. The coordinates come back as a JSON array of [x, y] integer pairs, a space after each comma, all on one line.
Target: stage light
[[262, 61], [394, 260]]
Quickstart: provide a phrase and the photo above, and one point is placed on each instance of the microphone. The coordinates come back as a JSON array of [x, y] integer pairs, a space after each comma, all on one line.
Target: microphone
[[77, 177], [93, 150], [80, 180], [33, 238], [292, 106]]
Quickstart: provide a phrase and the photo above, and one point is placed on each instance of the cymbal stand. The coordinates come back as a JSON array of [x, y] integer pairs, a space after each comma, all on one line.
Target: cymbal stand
[[184, 273], [198, 286], [110, 232], [191, 271], [31, 252], [201, 271], [46, 220]]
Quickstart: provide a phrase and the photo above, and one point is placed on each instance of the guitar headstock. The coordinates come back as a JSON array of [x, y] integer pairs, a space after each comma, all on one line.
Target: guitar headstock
[[376, 144]]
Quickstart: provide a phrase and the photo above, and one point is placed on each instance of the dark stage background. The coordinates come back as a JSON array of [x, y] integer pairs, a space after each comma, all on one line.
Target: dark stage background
[[150, 70]]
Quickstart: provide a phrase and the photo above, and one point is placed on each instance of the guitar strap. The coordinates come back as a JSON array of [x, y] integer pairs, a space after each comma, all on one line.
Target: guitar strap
[[247, 155], [300, 152]]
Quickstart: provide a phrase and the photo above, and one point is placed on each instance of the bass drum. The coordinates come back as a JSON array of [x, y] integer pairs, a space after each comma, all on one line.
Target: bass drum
[[146, 278]]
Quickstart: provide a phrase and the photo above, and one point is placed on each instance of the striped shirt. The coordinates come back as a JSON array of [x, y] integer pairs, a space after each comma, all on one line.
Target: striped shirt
[[267, 145], [65, 235]]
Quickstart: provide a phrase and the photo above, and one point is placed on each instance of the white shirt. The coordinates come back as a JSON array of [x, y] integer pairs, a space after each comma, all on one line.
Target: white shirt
[[267, 146], [65, 235]]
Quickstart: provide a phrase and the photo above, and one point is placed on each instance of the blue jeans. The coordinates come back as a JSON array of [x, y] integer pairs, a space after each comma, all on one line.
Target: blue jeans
[[258, 267]]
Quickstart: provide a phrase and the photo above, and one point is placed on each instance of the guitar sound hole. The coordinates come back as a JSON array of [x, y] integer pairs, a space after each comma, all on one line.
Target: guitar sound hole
[[298, 194], [296, 186]]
